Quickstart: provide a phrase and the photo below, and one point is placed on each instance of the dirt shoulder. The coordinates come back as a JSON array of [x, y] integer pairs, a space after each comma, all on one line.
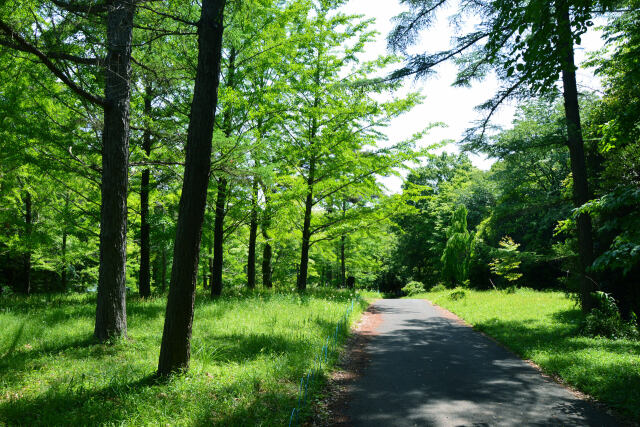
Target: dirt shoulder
[[331, 410]]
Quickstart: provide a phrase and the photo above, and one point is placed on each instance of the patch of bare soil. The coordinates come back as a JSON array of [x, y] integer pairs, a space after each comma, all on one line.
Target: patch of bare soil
[[331, 411]]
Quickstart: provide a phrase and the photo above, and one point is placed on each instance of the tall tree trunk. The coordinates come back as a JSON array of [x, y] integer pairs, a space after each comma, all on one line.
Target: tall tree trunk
[[218, 239], [576, 152], [253, 232], [28, 227], [306, 230], [163, 270], [218, 228], [144, 284], [175, 350], [267, 253], [63, 249], [343, 269], [111, 311], [210, 260], [205, 275]]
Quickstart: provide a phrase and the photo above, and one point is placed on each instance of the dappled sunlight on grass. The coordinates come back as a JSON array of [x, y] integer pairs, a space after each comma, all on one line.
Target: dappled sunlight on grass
[[248, 354], [543, 327]]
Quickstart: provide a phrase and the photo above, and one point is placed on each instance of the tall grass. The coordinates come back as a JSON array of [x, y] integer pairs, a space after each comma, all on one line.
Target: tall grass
[[248, 354], [543, 327]]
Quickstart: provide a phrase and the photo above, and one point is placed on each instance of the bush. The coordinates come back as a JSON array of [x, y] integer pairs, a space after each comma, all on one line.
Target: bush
[[439, 288], [457, 294], [605, 320], [413, 288]]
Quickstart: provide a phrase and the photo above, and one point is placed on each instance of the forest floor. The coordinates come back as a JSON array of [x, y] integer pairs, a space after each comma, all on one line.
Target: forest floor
[[426, 367], [248, 355], [543, 327]]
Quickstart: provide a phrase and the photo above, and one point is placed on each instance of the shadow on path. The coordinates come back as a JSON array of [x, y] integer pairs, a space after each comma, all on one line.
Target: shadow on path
[[428, 370]]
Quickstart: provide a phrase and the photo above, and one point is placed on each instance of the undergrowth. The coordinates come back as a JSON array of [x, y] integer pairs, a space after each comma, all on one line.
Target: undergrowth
[[545, 327], [249, 352]]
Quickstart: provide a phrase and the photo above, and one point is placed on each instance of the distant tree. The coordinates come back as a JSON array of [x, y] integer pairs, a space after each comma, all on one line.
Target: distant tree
[[530, 44], [455, 259], [507, 263]]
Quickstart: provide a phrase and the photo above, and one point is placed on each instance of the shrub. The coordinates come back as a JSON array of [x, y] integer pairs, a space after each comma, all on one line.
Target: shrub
[[457, 294], [413, 288], [439, 288], [605, 320]]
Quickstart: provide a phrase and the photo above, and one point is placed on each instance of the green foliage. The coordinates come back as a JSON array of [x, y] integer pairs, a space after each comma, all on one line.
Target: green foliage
[[413, 288], [506, 265], [455, 259], [605, 321], [544, 327], [457, 294]]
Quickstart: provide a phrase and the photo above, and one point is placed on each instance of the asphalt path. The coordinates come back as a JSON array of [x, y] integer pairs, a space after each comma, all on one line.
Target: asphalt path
[[427, 369]]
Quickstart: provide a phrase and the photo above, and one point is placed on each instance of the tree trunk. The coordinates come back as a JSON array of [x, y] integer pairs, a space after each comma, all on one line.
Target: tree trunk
[[253, 232], [576, 152], [218, 239], [210, 261], [175, 350], [218, 228], [144, 285], [267, 252], [343, 270], [163, 270], [111, 314], [63, 249], [28, 227], [205, 275], [306, 230]]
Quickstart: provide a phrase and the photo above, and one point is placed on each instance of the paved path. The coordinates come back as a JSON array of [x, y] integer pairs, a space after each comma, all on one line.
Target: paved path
[[426, 369]]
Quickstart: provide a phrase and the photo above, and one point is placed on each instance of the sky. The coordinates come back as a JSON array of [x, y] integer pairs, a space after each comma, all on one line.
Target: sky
[[452, 106]]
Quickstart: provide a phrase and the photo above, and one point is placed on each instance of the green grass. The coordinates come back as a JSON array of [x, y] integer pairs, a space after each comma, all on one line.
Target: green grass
[[248, 354], [543, 327]]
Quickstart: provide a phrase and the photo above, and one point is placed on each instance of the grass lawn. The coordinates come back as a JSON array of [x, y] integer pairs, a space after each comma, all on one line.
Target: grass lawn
[[542, 327], [248, 355]]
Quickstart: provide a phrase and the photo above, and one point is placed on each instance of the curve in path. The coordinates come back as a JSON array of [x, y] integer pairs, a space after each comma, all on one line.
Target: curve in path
[[426, 369]]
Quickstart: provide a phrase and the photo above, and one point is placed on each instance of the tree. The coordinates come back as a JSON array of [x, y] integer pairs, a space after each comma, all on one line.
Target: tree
[[111, 320], [175, 350], [529, 44], [507, 263], [455, 259]]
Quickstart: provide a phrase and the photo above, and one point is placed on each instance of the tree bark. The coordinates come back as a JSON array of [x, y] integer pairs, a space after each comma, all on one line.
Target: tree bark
[[28, 227], [253, 234], [343, 270], [218, 228], [144, 282], [576, 152], [218, 239], [306, 230], [111, 314], [63, 275], [267, 252], [175, 350]]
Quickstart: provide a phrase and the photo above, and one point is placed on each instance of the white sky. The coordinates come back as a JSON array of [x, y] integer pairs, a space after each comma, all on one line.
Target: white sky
[[444, 103]]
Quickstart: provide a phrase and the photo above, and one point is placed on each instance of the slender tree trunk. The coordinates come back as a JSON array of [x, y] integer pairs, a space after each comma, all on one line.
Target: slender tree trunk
[[28, 222], [267, 252], [111, 311], [144, 285], [218, 239], [343, 269], [163, 270], [253, 232], [210, 261], [218, 228], [306, 230], [576, 152], [205, 275], [175, 350], [63, 249]]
